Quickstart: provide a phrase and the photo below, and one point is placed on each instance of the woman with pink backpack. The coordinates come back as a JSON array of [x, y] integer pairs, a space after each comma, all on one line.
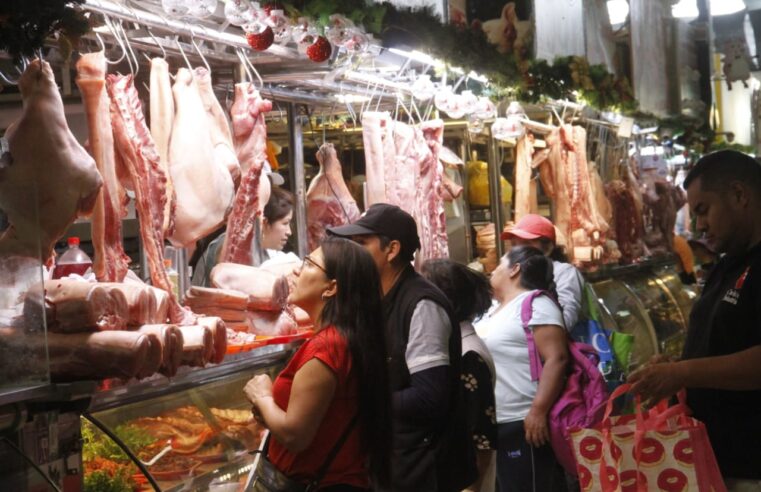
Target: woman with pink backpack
[[525, 458]]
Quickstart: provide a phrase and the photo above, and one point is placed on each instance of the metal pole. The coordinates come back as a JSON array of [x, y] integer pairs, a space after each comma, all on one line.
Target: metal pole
[[495, 193], [297, 177]]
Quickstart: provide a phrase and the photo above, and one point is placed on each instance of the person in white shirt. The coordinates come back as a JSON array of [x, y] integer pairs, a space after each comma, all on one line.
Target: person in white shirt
[[537, 231], [525, 459]]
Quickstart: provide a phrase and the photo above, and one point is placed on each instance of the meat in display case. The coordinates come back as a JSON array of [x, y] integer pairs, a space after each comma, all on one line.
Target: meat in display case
[[651, 304], [188, 437]]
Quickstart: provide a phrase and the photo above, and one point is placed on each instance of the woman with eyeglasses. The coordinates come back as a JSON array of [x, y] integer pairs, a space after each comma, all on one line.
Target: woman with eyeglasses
[[330, 407]]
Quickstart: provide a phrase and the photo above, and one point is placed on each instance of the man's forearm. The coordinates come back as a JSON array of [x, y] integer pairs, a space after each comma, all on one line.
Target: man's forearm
[[427, 397], [740, 371]]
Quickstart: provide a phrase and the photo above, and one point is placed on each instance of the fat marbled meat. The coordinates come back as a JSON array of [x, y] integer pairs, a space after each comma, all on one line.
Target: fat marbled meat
[[329, 202], [162, 118], [203, 186], [250, 137], [380, 151], [47, 179], [110, 263], [137, 150]]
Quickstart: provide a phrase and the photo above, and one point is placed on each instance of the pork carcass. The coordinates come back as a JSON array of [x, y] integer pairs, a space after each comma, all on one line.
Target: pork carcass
[[406, 159], [660, 212], [431, 217], [525, 200], [250, 134], [219, 126], [110, 263], [162, 117], [171, 343], [627, 221], [47, 179], [72, 306], [329, 202], [377, 128], [203, 186], [137, 150]]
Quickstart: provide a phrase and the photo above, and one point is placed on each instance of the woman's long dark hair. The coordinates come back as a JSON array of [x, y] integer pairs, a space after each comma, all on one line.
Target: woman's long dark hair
[[279, 205], [469, 291], [356, 311], [536, 269]]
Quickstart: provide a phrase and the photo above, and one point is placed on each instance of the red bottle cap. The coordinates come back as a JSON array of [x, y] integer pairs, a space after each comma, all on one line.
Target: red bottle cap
[[73, 241]]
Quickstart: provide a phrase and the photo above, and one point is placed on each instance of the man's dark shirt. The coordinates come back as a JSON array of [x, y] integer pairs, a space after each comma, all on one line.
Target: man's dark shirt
[[727, 319]]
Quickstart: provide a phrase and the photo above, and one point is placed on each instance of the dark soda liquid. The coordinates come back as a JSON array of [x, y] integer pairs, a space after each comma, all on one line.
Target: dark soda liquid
[[65, 269]]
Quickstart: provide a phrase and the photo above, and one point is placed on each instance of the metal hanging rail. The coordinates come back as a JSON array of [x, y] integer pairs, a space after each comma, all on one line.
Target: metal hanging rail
[[155, 21]]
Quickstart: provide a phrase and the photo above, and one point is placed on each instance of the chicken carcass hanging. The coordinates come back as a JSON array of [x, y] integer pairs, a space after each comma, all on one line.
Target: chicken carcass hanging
[[110, 263], [203, 186], [47, 179], [329, 202], [250, 133], [162, 116], [135, 147]]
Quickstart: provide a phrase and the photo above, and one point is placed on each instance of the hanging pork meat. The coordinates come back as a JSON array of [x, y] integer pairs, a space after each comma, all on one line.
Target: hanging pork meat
[[204, 187], [525, 187], [110, 263], [162, 117], [431, 216], [406, 160], [47, 179], [136, 148], [250, 137], [219, 126], [380, 171], [329, 202]]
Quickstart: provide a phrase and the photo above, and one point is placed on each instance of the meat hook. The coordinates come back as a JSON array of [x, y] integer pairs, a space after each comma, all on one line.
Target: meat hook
[[252, 68], [118, 40], [198, 49], [103, 44], [242, 58], [182, 52], [161, 47], [136, 68]]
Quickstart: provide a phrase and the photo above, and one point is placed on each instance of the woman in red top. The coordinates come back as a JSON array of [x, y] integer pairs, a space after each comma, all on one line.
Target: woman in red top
[[338, 374]]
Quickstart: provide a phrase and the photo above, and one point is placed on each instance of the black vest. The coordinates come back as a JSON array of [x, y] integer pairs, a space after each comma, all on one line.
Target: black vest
[[437, 456]]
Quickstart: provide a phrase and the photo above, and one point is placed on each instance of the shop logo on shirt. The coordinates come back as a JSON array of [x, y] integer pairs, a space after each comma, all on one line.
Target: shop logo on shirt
[[733, 295]]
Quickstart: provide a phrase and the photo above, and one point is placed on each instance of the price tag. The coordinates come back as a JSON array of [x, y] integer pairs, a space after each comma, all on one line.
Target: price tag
[[625, 127]]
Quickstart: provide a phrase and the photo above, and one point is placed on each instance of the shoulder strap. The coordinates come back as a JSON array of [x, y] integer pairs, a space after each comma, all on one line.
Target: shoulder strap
[[333, 453], [535, 361]]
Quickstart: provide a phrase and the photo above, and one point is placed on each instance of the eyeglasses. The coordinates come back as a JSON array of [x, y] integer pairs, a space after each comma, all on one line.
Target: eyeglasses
[[309, 260]]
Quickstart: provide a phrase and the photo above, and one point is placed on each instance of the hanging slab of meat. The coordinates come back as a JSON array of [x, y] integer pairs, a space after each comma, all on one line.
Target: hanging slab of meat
[[72, 306], [171, 342], [628, 224], [406, 159], [598, 191], [329, 202], [162, 117], [197, 345], [137, 150], [203, 186], [219, 126], [431, 217], [525, 202], [218, 335], [250, 137], [47, 179], [661, 213], [449, 190], [379, 156], [110, 263], [584, 207]]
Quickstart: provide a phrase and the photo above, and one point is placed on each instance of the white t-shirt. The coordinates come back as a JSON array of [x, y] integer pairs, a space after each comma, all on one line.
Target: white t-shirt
[[502, 331], [428, 343]]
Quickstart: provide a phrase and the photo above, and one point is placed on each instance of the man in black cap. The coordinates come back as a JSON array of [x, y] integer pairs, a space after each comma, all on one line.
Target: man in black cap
[[721, 361], [423, 343]]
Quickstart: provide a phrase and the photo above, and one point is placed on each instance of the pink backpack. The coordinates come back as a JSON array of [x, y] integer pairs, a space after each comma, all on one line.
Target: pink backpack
[[582, 402]]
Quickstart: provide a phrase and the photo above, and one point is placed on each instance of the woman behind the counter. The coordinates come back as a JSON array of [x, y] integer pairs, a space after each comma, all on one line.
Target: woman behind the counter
[[276, 229], [538, 232], [338, 374]]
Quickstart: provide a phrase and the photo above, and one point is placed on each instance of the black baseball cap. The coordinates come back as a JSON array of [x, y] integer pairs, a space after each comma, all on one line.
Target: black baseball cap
[[386, 220]]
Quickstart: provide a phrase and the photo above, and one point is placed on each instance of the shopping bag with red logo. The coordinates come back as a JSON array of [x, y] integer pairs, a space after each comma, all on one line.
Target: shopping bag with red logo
[[659, 449]]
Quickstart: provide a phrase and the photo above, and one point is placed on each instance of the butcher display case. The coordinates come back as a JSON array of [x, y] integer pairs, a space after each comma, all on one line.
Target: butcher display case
[[650, 303], [195, 432]]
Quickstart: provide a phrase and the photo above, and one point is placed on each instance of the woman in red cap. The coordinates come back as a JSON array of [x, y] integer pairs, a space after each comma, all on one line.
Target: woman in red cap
[[537, 231]]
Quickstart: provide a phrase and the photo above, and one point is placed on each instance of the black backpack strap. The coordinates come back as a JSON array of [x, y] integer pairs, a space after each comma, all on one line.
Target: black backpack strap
[[333, 453]]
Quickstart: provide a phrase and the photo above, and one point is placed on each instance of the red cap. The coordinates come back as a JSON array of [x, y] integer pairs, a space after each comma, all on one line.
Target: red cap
[[530, 227], [73, 241]]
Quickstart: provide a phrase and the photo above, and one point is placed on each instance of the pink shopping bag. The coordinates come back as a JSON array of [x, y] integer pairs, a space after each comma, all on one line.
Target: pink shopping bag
[[659, 449]]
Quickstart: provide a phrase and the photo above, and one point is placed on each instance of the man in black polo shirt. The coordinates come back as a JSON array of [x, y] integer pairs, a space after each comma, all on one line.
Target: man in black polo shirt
[[721, 362]]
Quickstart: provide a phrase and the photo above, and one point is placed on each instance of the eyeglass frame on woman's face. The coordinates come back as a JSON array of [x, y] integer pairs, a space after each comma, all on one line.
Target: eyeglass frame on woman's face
[[309, 260]]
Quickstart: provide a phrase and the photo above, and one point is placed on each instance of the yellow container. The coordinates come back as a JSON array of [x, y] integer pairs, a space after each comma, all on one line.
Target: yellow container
[[478, 185]]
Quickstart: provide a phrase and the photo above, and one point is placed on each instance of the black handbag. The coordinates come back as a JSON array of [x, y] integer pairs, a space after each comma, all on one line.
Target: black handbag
[[267, 478]]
